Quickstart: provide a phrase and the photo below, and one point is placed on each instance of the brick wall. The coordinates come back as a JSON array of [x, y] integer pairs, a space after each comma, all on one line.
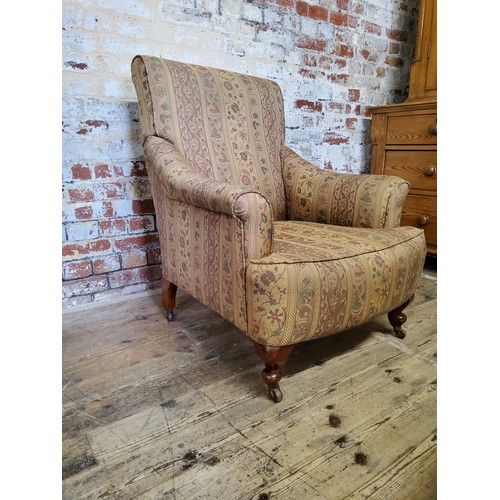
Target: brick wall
[[332, 58]]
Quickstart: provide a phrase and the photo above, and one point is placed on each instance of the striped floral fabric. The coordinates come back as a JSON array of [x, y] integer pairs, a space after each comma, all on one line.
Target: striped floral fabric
[[208, 230], [283, 250], [321, 279], [343, 199], [228, 126]]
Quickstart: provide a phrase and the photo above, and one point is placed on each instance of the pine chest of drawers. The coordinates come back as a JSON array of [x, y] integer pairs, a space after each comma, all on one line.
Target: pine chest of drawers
[[404, 138]]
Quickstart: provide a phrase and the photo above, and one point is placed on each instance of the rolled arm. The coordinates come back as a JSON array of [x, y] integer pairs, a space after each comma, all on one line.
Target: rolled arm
[[181, 182], [372, 201]]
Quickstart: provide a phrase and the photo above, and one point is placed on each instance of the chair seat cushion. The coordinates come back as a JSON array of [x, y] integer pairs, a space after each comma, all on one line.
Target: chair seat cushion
[[321, 279]]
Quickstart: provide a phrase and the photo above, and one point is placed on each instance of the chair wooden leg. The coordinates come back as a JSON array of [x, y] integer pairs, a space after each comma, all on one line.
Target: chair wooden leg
[[397, 317], [274, 358], [168, 291]]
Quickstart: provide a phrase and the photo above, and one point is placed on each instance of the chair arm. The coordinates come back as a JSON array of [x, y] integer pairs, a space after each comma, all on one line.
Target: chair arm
[[183, 183], [372, 201]]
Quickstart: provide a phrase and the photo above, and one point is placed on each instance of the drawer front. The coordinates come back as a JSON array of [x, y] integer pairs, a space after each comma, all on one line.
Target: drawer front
[[419, 168], [421, 211], [412, 129]]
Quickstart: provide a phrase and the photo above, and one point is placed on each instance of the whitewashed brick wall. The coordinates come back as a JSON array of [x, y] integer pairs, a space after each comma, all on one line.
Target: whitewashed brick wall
[[331, 58]]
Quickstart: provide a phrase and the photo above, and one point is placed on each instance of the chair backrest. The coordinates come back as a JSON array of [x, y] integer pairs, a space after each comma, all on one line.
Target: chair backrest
[[228, 126]]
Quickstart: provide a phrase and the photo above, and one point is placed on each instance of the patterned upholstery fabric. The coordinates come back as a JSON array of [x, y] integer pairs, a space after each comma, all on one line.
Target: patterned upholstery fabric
[[228, 126], [321, 279], [283, 250], [208, 230], [343, 199]]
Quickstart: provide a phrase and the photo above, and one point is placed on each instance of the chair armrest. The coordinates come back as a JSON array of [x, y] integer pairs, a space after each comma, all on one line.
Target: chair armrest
[[315, 195], [181, 182]]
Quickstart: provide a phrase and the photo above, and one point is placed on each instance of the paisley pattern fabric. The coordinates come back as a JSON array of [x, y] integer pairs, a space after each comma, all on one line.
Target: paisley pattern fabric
[[283, 250]]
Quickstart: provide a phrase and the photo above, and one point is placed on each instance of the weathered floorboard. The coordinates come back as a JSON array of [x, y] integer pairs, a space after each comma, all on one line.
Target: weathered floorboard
[[153, 409]]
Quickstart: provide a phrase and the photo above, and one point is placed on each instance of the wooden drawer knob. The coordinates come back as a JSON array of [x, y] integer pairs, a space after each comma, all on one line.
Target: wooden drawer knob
[[433, 128], [423, 220], [429, 171]]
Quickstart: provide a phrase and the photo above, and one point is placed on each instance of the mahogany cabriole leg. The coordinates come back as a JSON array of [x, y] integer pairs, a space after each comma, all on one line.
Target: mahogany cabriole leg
[[274, 358], [168, 291], [397, 317]]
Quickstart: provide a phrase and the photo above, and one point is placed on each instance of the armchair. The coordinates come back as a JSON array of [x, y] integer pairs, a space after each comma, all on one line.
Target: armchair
[[285, 251]]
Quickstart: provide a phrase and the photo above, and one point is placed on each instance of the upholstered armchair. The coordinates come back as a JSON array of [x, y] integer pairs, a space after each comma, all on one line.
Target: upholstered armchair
[[283, 250]]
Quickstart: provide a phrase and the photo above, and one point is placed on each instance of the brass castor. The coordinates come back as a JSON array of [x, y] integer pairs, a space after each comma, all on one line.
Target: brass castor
[[169, 314], [274, 358], [168, 292], [397, 318], [275, 394], [398, 331]]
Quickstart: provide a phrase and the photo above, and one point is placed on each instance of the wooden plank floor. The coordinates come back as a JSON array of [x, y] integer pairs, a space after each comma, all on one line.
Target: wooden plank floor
[[158, 410]]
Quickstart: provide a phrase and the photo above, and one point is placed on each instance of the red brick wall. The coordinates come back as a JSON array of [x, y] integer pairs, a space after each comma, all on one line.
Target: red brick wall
[[110, 244], [332, 59]]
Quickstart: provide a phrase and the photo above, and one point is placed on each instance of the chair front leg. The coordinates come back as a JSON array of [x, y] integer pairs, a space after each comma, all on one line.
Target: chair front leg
[[397, 317], [274, 358], [168, 292]]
